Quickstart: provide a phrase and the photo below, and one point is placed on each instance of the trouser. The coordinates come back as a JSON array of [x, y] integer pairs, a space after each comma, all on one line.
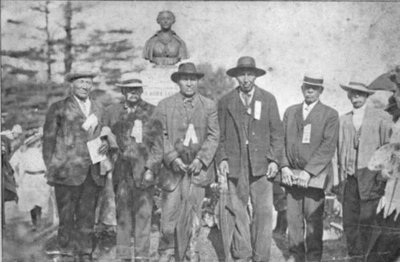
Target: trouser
[[385, 240], [184, 202], [252, 238], [134, 210], [76, 208], [279, 198], [305, 209], [359, 219]]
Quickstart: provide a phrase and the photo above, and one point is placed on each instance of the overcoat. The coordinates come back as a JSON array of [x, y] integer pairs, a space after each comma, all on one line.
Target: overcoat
[[265, 140], [65, 151]]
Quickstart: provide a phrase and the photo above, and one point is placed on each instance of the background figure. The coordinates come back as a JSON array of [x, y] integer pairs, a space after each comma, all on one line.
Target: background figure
[[30, 173], [165, 47], [250, 150], [69, 125], [311, 131], [8, 184], [136, 135], [384, 245], [362, 130], [191, 135]]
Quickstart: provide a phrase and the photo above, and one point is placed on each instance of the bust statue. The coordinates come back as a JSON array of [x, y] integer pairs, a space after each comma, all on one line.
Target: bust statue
[[165, 47]]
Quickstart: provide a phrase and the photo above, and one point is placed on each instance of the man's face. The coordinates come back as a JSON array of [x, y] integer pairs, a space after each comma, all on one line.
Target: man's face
[[311, 93], [132, 95], [357, 98], [246, 81], [165, 20], [81, 87], [188, 85]]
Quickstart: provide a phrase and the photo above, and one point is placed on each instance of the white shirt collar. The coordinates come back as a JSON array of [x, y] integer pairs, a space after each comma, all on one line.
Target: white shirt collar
[[310, 106], [250, 93], [84, 105], [360, 110]]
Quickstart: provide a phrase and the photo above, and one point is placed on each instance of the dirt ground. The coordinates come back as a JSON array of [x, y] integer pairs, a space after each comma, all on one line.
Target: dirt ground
[[21, 244]]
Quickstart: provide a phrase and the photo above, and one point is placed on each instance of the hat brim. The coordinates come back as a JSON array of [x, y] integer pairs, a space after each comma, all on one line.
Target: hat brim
[[73, 76], [233, 72], [129, 85], [175, 76], [357, 88]]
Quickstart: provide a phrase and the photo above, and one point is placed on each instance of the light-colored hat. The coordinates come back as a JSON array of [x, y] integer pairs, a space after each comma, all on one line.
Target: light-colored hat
[[245, 63], [130, 83], [79, 74], [352, 85], [313, 79], [186, 69]]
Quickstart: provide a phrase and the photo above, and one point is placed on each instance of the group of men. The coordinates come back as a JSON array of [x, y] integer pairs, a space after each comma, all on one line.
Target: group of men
[[188, 138]]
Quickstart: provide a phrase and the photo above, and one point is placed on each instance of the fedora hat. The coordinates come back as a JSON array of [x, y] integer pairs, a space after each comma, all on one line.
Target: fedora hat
[[130, 83], [186, 69], [245, 63], [357, 86], [81, 74]]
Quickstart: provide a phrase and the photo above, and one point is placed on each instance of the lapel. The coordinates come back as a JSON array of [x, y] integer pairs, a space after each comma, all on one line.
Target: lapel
[[179, 108], [75, 106], [314, 111], [298, 116], [234, 108]]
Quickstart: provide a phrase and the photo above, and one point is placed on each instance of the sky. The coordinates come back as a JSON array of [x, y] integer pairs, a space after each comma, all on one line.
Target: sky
[[338, 40]]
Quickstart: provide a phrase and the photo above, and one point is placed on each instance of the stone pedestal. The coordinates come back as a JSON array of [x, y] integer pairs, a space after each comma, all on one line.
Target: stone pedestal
[[158, 83]]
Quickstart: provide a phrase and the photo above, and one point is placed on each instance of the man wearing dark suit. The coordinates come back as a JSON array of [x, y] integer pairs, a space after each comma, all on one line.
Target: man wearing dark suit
[[69, 125], [362, 131], [191, 135], [251, 145], [136, 134], [311, 132]]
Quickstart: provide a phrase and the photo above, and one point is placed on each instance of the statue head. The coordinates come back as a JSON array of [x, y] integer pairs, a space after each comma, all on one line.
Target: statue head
[[165, 19]]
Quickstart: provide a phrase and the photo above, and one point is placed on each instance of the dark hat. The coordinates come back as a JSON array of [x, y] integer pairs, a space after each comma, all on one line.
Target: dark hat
[[169, 180], [186, 69], [245, 63], [82, 74], [313, 80], [130, 83], [353, 85]]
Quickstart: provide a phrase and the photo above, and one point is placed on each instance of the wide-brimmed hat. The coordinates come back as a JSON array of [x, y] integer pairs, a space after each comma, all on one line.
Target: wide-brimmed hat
[[186, 69], [313, 79], [357, 86], [130, 83], [81, 74], [245, 63]]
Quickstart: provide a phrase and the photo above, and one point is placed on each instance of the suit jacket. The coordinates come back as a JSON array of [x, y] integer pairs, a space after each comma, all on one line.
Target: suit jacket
[[375, 132], [265, 135], [316, 156], [171, 112], [137, 156], [65, 152]]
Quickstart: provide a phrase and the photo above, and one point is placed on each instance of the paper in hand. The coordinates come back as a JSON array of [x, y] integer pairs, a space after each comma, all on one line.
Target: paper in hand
[[93, 147]]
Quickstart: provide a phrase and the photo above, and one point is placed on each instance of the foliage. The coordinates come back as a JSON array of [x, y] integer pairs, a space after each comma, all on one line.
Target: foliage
[[216, 83]]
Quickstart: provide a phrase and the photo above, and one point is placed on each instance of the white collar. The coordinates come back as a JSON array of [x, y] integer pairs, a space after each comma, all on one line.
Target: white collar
[[360, 110], [310, 106]]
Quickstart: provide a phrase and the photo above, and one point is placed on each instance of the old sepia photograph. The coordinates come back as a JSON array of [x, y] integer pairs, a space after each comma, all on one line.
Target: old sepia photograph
[[200, 131]]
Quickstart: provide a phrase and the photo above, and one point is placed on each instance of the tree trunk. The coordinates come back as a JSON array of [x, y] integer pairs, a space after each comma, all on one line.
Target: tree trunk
[[68, 58], [48, 42]]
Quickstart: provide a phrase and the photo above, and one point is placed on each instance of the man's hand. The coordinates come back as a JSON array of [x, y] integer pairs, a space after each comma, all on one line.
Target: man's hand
[[147, 179], [287, 176], [272, 170], [104, 147], [195, 167], [303, 179], [178, 165], [224, 168]]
